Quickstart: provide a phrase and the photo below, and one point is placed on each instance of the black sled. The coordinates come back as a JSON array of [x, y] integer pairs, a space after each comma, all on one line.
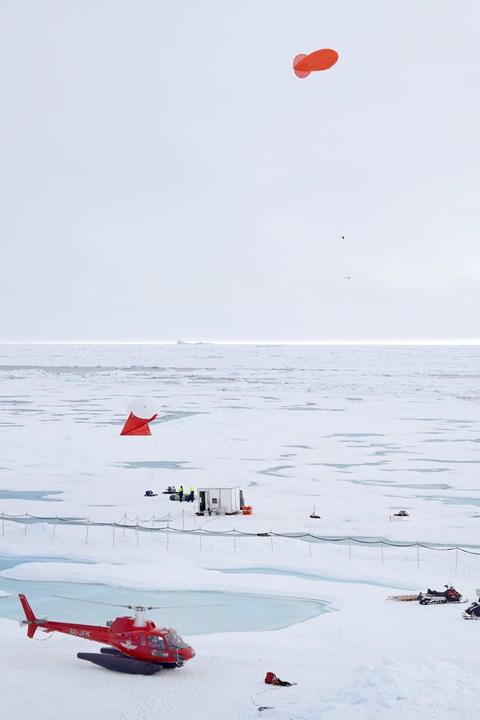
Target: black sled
[[473, 612]]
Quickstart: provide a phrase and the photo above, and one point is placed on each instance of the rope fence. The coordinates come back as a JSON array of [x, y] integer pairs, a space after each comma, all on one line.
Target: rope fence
[[163, 526]]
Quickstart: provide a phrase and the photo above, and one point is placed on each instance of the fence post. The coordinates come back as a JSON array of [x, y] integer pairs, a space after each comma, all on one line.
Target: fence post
[[86, 533], [113, 534], [124, 523], [54, 526]]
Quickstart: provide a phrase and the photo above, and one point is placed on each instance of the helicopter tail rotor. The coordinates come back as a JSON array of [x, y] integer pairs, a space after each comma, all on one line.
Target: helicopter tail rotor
[[31, 620]]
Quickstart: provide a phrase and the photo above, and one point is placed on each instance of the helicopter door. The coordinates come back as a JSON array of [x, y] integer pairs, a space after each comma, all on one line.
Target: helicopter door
[[157, 646], [202, 501]]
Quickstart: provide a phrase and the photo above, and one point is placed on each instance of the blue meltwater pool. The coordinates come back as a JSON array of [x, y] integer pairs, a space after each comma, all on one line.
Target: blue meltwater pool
[[210, 612]]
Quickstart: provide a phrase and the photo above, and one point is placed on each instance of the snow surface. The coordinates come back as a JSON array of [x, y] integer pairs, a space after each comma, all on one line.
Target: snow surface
[[355, 432]]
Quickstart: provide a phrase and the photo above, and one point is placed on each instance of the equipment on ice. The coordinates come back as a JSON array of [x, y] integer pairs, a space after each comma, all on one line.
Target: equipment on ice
[[473, 612], [400, 515], [137, 426], [272, 679], [441, 597]]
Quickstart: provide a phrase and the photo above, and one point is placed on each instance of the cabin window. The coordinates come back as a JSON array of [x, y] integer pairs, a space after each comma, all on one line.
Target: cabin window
[[156, 642], [175, 641], [143, 640]]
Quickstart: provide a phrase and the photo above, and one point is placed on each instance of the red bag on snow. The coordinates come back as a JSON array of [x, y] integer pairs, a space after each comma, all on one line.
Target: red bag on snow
[[270, 677]]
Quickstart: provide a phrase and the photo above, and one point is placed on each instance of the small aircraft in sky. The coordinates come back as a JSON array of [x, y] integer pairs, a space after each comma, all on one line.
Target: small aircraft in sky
[[348, 277], [135, 645]]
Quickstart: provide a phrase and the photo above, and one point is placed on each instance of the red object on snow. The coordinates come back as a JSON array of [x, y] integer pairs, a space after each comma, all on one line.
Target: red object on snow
[[272, 679], [137, 426]]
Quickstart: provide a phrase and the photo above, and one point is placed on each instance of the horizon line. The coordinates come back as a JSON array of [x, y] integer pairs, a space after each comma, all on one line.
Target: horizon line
[[405, 342]]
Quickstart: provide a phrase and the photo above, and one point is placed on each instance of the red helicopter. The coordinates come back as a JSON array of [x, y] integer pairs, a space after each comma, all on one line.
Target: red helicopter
[[136, 645]]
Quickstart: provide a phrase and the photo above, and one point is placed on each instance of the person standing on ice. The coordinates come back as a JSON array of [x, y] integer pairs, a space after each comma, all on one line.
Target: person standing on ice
[[180, 493], [191, 495]]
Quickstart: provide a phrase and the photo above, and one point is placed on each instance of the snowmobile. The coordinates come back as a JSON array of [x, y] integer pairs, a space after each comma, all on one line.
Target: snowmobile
[[441, 597], [473, 612]]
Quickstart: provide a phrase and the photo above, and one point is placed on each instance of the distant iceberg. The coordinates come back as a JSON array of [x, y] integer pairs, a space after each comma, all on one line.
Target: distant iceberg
[[191, 342]]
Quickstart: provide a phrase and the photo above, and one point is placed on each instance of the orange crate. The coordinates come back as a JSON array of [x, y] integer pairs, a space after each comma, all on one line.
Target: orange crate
[[247, 510]]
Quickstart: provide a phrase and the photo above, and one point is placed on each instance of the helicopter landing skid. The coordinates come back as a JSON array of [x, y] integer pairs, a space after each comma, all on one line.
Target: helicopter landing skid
[[117, 653], [121, 663]]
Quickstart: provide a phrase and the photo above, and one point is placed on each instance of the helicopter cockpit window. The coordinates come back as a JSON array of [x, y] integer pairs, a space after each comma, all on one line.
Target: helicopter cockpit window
[[156, 642], [175, 642]]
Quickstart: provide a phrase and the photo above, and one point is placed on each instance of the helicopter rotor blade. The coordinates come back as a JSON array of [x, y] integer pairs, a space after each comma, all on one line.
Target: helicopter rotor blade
[[174, 607], [135, 607], [93, 602]]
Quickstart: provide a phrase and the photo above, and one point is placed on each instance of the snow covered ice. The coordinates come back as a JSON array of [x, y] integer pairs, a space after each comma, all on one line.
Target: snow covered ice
[[356, 432]]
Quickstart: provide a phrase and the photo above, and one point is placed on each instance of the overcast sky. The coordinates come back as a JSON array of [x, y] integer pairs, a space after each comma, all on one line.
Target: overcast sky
[[164, 175]]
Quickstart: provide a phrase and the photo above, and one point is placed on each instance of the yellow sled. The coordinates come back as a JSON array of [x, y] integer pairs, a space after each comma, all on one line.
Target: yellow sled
[[404, 598]]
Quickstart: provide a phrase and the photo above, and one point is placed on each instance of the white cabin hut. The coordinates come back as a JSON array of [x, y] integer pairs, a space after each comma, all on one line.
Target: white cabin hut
[[219, 501]]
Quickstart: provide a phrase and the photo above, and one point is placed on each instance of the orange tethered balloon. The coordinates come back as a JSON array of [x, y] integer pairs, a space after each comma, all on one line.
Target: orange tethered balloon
[[303, 65]]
